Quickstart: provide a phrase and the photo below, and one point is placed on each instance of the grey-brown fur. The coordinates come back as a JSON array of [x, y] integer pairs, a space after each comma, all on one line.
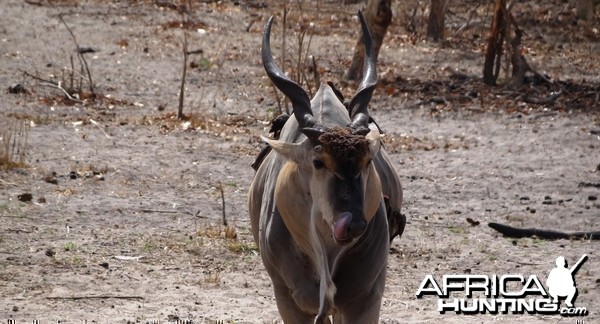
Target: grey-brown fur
[[314, 275]]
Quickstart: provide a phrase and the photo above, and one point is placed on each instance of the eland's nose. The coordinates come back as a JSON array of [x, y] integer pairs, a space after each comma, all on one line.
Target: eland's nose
[[348, 227], [357, 227]]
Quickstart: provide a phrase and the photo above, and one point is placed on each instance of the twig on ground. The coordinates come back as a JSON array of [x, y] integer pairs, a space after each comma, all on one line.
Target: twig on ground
[[166, 4], [59, 86], [540, 101], [128, 258], [35, 3], [51, 84], [168, 229], [37, 77], [94, 297], [100, 128], [15, 216], [542, 234], [159, 211], [130, 277], [13, 230], [8, 183], [528, 263]]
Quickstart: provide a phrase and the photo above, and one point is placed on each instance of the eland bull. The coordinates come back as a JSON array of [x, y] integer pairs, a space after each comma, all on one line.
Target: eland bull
[[325, 202]]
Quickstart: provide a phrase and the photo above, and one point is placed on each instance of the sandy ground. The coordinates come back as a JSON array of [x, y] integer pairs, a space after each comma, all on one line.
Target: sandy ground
[[125, 223]]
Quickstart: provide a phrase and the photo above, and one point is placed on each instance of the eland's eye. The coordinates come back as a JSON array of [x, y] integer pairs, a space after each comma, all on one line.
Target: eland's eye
[[369, 163], [318, 164]]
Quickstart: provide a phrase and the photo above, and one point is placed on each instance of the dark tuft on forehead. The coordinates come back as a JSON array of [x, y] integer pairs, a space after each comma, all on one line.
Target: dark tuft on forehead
[[346, 149]]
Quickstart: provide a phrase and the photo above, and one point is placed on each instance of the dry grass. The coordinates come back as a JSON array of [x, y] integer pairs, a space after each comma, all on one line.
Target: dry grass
[[241, 247], [223, 126], [213, 278], [227, 232], [210, 232], [230, 234], [13, 144]]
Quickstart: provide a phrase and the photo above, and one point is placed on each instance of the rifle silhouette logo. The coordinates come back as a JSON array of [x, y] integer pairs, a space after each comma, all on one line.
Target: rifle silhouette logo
[[561, 282]]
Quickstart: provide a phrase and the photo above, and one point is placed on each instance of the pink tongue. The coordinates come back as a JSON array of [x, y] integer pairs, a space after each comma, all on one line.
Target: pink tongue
[[340, 228]]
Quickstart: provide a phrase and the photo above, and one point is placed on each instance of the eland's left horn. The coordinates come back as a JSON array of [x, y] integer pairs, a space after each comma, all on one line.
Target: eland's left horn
[[291, 89]]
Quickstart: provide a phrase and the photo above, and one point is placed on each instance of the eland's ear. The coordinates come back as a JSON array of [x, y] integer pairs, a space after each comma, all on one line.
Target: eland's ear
[[296, 152], [374, 138]]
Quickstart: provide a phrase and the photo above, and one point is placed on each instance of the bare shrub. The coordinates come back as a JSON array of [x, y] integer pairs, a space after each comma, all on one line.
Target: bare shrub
[[13, 144]]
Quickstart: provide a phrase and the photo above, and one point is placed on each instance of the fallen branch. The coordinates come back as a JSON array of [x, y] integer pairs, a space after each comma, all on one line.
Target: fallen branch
[[51, 84], [159, 211], [542, 234], [16, 216], [128, 258], [35, 3], [8, 183], [588, 185], [37, 77], [94, 297], [166, 4], [541, 101], [12, 230], [100, 128], [59, 87]]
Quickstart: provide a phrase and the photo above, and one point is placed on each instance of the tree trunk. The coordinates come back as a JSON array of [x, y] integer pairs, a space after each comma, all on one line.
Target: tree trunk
[[493, 53], [585, 9], [378, 15], [437, 15]]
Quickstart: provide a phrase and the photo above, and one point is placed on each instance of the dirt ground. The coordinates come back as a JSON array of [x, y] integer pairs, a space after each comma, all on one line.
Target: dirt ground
[[125, 219]]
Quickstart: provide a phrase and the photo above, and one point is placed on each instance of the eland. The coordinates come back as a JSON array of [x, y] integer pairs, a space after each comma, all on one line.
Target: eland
[[325, 202]]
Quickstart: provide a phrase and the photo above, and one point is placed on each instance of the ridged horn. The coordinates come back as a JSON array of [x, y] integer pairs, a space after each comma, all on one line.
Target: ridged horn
[[291, 89], [359, 103]]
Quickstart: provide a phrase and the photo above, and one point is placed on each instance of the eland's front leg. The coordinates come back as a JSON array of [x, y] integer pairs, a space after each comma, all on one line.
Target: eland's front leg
[[288, 308]]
